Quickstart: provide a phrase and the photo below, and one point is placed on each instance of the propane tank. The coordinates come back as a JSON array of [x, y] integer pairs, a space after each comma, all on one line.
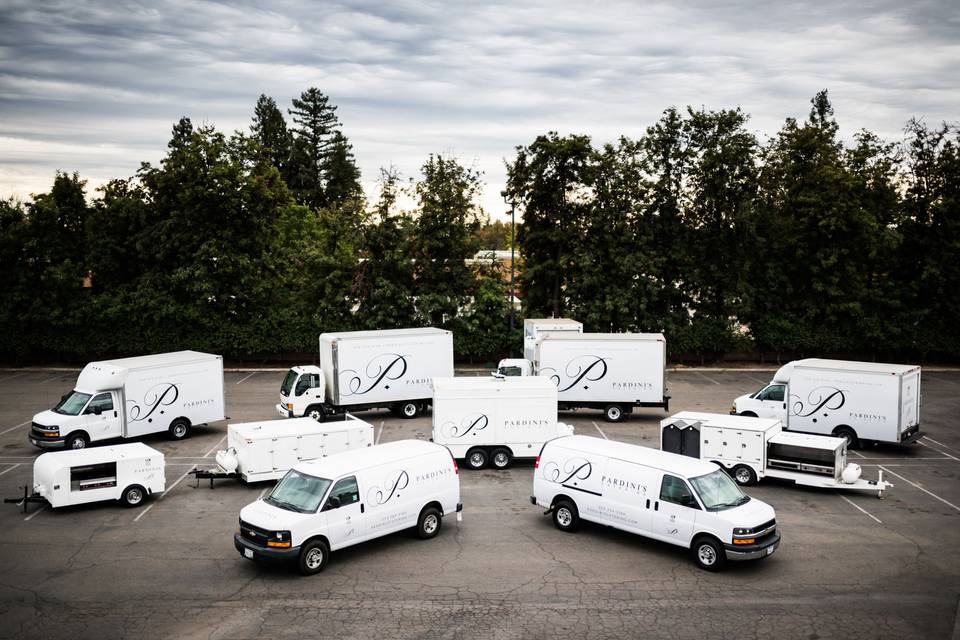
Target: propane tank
[[227, 460], [851, 473]]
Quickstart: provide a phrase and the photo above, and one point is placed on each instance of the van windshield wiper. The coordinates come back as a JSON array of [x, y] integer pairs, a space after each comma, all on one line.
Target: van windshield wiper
[[284, 505]]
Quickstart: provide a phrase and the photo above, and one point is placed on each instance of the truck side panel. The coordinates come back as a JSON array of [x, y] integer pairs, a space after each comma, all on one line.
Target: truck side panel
[[156, 396], [820, 400]]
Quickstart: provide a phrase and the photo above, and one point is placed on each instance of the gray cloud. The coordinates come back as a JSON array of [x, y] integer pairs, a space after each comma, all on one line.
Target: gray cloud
[[95, 87]]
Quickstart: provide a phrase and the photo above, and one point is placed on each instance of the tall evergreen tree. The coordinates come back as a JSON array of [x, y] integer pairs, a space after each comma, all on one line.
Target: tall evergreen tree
[[269, 128], [340, 172], [315, 123]]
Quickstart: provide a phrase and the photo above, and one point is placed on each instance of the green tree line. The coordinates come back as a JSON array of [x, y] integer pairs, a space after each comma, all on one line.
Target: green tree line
[[251, 244]]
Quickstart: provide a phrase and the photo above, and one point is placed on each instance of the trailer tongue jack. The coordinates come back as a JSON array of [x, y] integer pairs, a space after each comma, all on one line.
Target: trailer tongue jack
[[26, 499]]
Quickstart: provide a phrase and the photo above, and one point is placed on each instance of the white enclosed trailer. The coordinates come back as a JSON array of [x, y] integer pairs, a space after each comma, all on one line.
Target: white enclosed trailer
[[495, 420], [614, 372], [533, 328], [755, 448], [125, 472], [266, 450], [367, 370], [131, 397], [852, 400]]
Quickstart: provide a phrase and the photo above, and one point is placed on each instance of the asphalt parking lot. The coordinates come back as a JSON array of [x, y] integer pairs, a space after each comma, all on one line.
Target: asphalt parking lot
[[850, 565]]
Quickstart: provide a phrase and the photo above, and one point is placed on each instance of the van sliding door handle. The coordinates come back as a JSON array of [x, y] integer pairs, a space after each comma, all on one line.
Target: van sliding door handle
[[114, 414], [656, 506], [648, 503], [361, 507]]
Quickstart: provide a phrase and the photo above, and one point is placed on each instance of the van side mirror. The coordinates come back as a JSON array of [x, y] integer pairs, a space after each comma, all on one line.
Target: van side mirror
[[97, 410], [333, 502], [688, 500]]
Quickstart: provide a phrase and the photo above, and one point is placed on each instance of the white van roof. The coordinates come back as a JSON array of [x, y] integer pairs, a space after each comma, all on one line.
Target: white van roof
[[340, 464], [387, 333], [723, 420], [669, 462], [487, 386], [603, 337], [783, 373], [55, 460]]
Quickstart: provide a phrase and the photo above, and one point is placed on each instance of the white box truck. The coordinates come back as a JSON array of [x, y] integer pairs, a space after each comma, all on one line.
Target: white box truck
[[495, 420], [266, 450], [131, 397], [128, 473], [347, 498], [685, 502], [533, 328], [367, 370], [754, 448], [613, 372], [852, 400]]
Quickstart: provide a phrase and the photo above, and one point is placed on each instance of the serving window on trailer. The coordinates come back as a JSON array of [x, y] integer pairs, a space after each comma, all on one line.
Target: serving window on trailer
[[93, 476]]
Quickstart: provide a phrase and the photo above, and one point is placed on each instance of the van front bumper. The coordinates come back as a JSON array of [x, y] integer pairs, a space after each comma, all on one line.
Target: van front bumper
[[256, 552], [753, 552], [283, 411], [46, 442]]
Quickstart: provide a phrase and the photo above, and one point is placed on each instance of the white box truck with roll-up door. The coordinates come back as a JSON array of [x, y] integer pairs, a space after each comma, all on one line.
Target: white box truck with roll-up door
[[853, 400], [751, 449], [495, 420], [131, 397], [613, 372], [360, 370]]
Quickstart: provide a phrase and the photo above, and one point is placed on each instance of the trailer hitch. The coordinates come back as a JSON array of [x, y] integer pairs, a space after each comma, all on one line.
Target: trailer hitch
[[26, 499]]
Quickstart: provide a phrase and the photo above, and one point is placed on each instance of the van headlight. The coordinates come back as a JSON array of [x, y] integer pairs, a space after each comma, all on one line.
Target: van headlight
[[279, 539], [739, 531]]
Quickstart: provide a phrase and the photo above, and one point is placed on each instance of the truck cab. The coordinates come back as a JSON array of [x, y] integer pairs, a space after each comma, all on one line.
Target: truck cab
[[768, 402], [509, 367], [302, 393], [83, 415]]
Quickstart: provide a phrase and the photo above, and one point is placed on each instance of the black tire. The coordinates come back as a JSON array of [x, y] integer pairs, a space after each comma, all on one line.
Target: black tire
[[429, 523], [476, 459], [853, 442], [77, 441], [313, 557], [565, 516], [409, 410], [133, 496], [179, 429], [749, 414], [744, 475], [501, 458], [613, 413], [708, 554], [316, 412]]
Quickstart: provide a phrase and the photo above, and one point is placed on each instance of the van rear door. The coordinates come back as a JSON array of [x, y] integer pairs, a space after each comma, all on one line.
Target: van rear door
[[909, 399]]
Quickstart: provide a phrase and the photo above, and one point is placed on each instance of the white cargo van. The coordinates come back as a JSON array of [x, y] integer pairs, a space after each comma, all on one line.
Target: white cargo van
[[360, 370], [614, 372], [686, 502], [131, 397], [125, 472], [495, 420], [266, 450], [852, 400], [344, 499], [533, 328], [755, 448]]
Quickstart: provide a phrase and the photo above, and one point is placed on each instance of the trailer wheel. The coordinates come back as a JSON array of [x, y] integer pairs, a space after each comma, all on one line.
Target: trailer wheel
[[477, 459], [179, 429], [133, 496], [708, 554], [409, 410], [749, 414], [77, 441], [501, 458], [565, 516], [316, 412], [853, 442], [613, 413], [744, 475], [429, 523], [313, 557]]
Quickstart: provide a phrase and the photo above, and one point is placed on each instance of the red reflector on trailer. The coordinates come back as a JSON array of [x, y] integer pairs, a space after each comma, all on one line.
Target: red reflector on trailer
[[456, 469], [536, 464]]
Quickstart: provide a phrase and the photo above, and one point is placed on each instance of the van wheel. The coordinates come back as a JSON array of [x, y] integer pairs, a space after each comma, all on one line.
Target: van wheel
[[708, 554], [749, 414], [133, 496], [315, 412], [744, 475], [476, 459], [77, 441], [501, 458], [613, 413], [853, 442], [409, 410], [429, 522], [565, 516], [179, 428], [313, 557]]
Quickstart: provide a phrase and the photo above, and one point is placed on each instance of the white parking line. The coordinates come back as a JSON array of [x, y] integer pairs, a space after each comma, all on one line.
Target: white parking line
[[16, 375], [906, 458], [22, 424], [144, 512], [939, 379], [755, 378], [859, 508], [937, 442], [927, 491], [247, 377], [706, 377], [215, 447], [379, 433], [32, 515], [170, 488], [858, 454], [938, 451], [15, 465], [600, 430]]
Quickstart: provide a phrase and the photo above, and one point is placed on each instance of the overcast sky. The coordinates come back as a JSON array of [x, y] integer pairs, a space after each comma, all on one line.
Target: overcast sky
[[96, 86]]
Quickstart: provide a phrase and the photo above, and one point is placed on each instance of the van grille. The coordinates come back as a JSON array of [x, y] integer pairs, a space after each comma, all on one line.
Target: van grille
[[254, 534], [765, 530]]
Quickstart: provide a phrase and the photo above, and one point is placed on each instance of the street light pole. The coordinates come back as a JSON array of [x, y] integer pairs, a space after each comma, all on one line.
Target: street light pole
[[513, 213]]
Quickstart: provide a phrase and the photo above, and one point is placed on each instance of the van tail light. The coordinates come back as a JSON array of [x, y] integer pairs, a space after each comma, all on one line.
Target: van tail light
[[536, 464], [456, 469]]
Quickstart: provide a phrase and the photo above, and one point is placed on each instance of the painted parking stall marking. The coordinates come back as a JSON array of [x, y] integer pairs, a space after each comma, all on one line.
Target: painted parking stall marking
[[927, 491]]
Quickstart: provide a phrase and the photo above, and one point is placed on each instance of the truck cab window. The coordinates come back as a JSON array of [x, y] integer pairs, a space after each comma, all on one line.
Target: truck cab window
[[774, 392], [345, 491], [287, 385], [675, 490], [303, 384], [103, 401]]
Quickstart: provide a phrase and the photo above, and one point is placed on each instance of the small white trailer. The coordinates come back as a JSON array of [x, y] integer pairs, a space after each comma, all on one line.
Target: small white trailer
[[266, 450], [131, 397], [367, 370], [755, 448], [533, 328], [128, 473], [495, 420]]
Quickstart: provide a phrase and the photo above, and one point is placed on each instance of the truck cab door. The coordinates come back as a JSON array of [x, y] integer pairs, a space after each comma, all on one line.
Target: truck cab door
[[772, 402], [101, 417], [675, 511], [344, 511], [308, 391]]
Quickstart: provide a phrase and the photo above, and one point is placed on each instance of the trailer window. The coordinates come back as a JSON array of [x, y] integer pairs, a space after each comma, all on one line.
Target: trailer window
[[287, 383], [717, 491], [72, 403], [675, 490], [345, 491], [93, 476], [102, 400], [298, 492]]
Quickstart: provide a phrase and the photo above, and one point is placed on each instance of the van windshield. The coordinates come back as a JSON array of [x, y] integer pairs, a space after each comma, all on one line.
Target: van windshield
[[287, 385], [72, 403], [298, 492], [718, 492], [510, 371]]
